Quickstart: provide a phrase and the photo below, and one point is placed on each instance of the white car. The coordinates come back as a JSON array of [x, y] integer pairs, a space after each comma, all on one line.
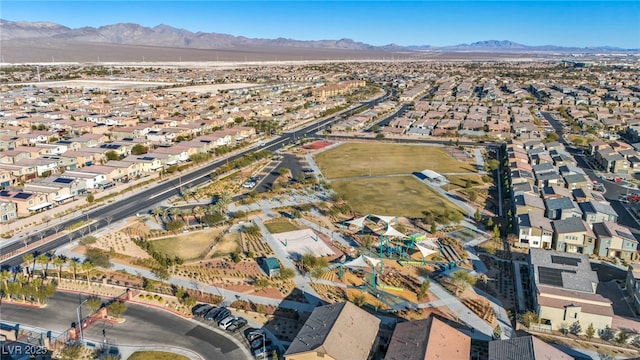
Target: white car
[[249, 185], [226, 322]]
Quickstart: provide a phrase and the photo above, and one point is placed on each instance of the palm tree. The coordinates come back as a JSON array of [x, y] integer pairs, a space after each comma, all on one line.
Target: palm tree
[[157, 213], [59, 262], [87, 267], [186, 212], [22, 281], [5, 276], [28, 259], [175, 212], [224, 199], [198, 211], [74, 265], [43, 261]]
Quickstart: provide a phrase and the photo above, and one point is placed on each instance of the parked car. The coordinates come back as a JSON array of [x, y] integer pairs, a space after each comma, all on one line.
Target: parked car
[[259, 343], [262, 352], [211, 314], [253, 334], [196, 307], [201, 311], [226, 322], [221, 315], [237, 324]]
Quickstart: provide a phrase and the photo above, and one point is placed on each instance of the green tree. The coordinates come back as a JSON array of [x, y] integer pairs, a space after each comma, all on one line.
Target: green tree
[[87, 267], [477, 216], [90, 198], [472, 195], [98, 257], [379, 135], [74, 265], [117, 308], [590, 332], [43, 260], [158, 213], [28, 259], [575, 328], [287, 273], [424, 288], [622, 338], [72, 352], [261, 283], [138, 149], [607, 334], [175, 225], [462, 279], [112, 155], [189, 301], [360, 300], [94, 303], [490, 222], [530, 317]]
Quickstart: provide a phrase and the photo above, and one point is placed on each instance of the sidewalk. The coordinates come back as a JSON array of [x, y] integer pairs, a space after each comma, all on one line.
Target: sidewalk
[[228, 295]]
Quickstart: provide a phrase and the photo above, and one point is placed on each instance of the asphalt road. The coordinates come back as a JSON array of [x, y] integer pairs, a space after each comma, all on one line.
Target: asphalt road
[[612, 189], [145, 200], [143, 326]]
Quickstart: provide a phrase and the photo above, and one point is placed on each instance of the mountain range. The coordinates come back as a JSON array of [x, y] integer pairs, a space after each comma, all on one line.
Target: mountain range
[[24, 42]]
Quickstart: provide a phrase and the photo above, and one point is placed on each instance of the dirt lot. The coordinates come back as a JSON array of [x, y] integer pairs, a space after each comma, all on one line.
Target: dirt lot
[[193, 245], [120, 243]]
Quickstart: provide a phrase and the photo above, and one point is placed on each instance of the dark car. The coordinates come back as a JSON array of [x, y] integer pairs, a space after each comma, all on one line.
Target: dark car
[[260, 342], [202, 310], [237, 324], [211, 314], [196, 307], [224, 312], [252, 334]]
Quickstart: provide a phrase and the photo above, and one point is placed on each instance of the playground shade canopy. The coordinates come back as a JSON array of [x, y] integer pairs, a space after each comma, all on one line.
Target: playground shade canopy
[[299, 242]]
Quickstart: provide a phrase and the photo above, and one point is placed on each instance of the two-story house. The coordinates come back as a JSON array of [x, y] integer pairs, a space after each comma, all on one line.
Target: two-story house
[[573, 235], [615, 240]]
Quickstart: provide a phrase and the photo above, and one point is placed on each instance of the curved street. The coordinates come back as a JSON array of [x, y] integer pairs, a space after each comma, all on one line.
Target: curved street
[[144, 326]]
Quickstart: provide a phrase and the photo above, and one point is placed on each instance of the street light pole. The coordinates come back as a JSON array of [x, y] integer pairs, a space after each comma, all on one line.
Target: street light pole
[[79, 319]]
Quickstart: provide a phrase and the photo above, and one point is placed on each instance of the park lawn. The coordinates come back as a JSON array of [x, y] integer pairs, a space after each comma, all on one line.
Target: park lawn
[[396, 196], [459, 181], [229, 243], [364, 159], [190, 246], [156, 355], [276, 227]]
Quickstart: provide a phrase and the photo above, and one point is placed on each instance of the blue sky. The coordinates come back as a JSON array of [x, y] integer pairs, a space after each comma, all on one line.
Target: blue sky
[[572, 23]]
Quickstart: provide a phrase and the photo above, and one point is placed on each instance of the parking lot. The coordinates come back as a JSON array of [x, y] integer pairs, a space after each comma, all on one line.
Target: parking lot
[[258, 343]]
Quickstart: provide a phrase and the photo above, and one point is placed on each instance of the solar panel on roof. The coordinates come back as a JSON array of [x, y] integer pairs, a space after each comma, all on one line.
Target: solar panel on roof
[[563, 260], [22, 195], [550, 276], [63, 180]]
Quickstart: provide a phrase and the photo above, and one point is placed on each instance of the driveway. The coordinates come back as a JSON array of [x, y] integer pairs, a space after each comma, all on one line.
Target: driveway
[[143, 326]]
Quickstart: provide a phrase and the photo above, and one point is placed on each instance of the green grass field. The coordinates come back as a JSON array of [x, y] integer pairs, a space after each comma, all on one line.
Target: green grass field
[[191, 246], [156, 355], [277, 227], [399, 196], [362, 159], [459, 181]]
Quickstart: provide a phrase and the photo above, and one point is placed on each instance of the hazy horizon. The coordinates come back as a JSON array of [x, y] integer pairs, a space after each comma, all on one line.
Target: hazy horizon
[[406, 23]]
